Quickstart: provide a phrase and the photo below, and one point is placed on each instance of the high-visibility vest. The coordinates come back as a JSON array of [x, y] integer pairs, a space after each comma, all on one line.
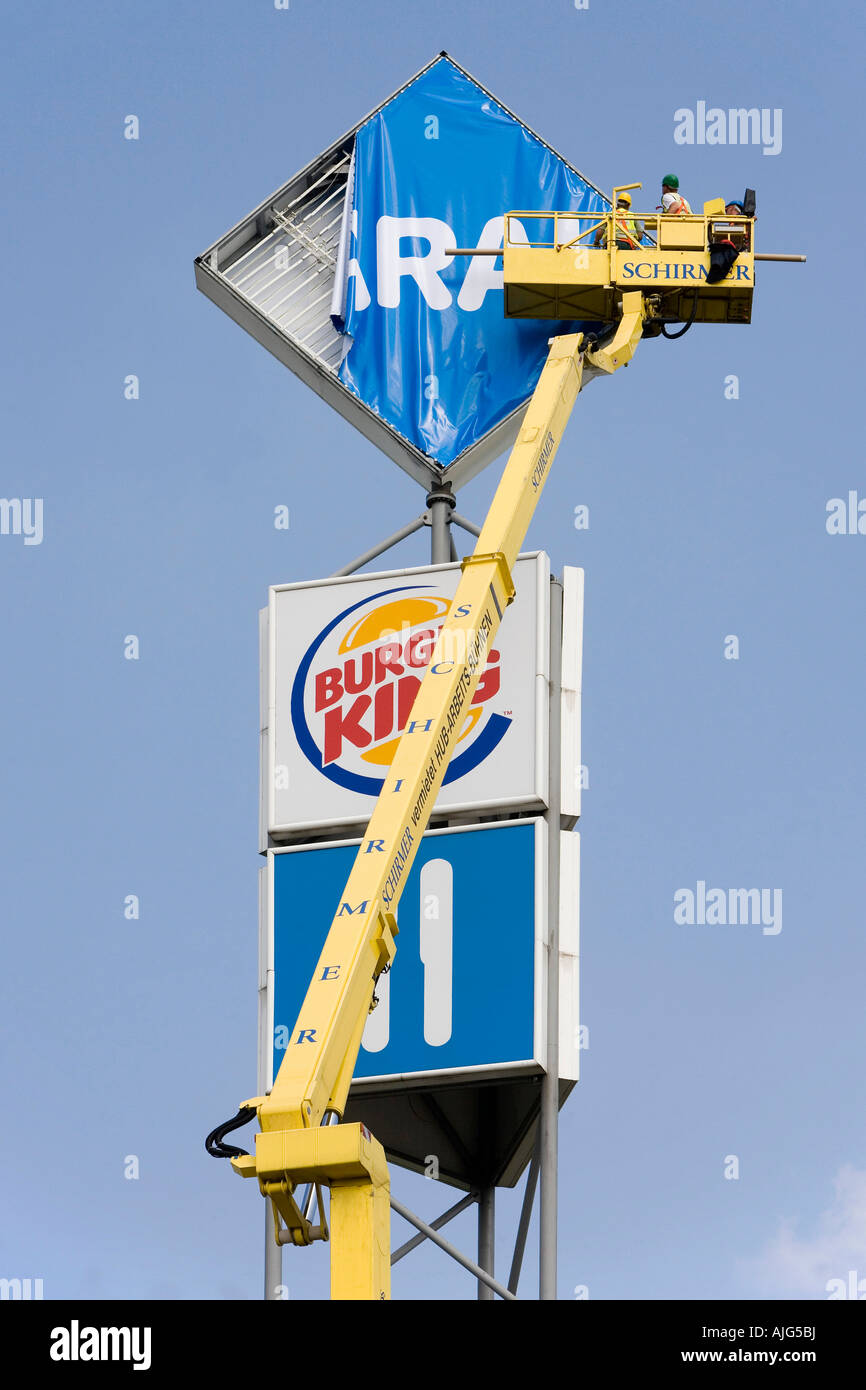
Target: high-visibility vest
[[625, 228], [679, 208]]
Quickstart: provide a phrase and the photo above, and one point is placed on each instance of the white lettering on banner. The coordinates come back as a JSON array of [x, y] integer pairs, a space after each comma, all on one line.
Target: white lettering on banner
[[424, 270], [482, 274], [362, 294]]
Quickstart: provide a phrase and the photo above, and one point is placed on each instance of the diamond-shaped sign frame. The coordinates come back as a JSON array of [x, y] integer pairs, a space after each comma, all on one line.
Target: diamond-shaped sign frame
[[273, 274]]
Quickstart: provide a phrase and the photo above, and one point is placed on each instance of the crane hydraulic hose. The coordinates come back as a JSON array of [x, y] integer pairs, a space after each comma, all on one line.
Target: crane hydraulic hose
[[686, 326], [214, 1142]]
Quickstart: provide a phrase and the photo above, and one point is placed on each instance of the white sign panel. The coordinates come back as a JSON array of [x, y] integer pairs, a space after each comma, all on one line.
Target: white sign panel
[[572, 772], [343, 663]]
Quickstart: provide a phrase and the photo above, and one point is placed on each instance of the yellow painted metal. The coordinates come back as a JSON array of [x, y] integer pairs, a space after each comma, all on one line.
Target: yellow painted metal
[[557, 275], [682, 234], [361, 1230], [526, 472], [347, 1067], [622, 188], [352, 1164], [621, 349]]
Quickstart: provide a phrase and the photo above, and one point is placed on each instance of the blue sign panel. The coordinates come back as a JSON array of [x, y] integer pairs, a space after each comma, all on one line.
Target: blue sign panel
[[461, 990], [430, 351]]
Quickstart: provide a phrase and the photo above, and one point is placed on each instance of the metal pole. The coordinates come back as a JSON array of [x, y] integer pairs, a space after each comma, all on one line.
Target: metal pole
[[486, 1239], [273, 1252], [485, 251], [451, 1250], [368, 555], [441, 504], [273, 1261], [465, 524], [549, 1122], [525, 1216], [437, 1225]]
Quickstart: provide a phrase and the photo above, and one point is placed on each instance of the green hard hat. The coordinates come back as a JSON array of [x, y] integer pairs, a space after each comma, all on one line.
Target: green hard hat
[[670, 181]]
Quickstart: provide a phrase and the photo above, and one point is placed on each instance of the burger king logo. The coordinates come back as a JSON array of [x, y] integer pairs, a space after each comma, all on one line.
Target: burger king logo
[[357, 681]]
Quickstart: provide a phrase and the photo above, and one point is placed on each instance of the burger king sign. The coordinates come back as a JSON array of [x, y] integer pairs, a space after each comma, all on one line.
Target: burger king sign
[[342, 663]]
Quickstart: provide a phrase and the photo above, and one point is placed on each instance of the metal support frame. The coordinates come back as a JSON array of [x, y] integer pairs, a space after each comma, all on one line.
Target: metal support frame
[[439, 516], [449, 1215], [465, 525], [486, 1228], [380, 549], [431, 1234]]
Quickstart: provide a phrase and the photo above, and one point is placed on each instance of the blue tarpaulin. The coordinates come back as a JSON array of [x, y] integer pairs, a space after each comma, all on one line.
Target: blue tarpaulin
[[428, 347]]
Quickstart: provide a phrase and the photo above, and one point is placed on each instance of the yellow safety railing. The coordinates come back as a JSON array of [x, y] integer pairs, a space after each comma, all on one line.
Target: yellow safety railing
[[715, 226]]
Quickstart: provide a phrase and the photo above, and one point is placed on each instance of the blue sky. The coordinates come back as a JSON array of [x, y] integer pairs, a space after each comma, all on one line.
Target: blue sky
[[707, 518]]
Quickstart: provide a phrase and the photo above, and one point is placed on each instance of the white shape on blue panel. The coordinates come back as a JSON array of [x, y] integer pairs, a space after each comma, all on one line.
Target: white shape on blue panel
[[436, 914], [437, 933]]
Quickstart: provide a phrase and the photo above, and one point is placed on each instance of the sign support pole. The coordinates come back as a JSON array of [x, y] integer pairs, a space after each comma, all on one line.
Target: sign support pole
[[273, 1261], [486, 1240], [440, 502], [549, 1120], [273, 1252]]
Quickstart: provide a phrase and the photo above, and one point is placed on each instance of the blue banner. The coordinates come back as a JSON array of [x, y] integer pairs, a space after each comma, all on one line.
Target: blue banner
[[430, 350]]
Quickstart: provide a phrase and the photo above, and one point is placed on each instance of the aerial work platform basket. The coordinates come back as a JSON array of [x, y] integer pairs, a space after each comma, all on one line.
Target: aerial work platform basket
[[568, 265]]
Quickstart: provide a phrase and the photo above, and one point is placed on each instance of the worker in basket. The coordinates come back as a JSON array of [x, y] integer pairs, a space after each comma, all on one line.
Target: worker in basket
[[737, 209], [673, 203], [628, 229], [727, 240]]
